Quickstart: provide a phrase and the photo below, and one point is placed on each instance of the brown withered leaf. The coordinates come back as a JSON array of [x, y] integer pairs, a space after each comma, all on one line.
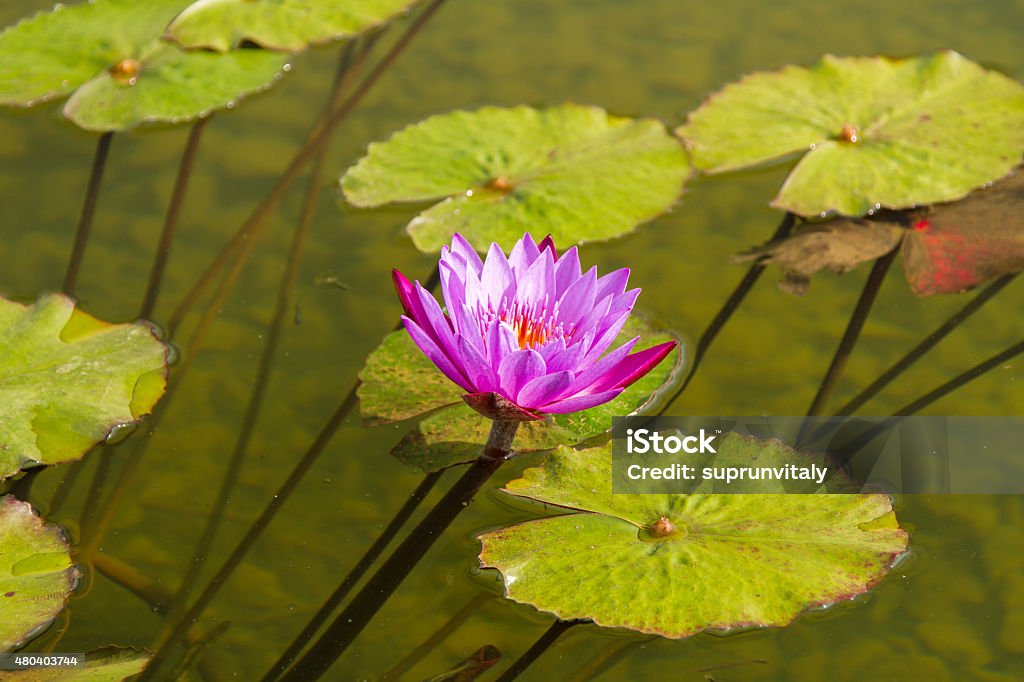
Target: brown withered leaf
[[957, 246], [838, 245]]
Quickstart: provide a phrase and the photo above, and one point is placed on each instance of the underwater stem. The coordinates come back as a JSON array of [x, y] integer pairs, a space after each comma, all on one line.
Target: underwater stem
[[163, 250], [852, 333], [726, 311], [926, 345], [92, 193], [253, 226], [353, 577], [542, 644], [375, 593]]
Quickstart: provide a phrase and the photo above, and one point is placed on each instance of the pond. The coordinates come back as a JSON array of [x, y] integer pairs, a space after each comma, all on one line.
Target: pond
[[949, 610]]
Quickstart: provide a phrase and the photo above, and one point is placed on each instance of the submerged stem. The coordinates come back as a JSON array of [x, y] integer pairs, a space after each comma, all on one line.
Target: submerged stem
[[163, 250], [535, 651], [353, 577], [852, 333], [285, 295], [926, 345], [92, 194], [726, 311], [253, 226], [375, 593]]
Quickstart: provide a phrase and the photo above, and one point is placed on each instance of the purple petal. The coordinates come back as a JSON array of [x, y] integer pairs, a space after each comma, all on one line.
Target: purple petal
[[519, 369], [453, 288], [578, 299], [534, 286], [614, 283], [436, 324], [467, 325], [581, 402], [607, 332], [496, 281], [569, 358], [501, 342], [549, 244], [634, 367], [596, 371], [407, 295], [431, 350], [543, 390], [523, 254], [476, 367], [594, 317], [463, 248], [567, 270]]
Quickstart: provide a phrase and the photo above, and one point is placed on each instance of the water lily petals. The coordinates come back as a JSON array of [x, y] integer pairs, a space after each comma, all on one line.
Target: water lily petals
[[436, 323], [606, 333], [477, 368], [582, 402], [523, 254], [501, 342], [407, 295], [534, 287], [496, 280], [634, 367], [597, 370], [436, 355], [567, 270], [462, 248], [567, 358], [453, 286], [613, 283], [518, 369], [548, 244], [542, 390], [578, 299]]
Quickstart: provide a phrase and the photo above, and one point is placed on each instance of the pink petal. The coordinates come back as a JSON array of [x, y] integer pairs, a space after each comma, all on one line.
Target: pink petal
[[501, 342], [519, 369], [496, 280], [567, 270], [581, 402], [597, 370], [523, 254], [633, 367], [534, 286], [543, 390], [435, 354], [607, 333], [613, 283], [549, 244], [463, 248], [475, 366], [578, 299], [407, 295]]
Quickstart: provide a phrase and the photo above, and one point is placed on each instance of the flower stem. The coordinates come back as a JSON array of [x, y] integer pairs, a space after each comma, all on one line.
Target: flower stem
[[727, 310], [92, 193], [852, 333], [353, 577], [542, 644], [347, 626], [163, 250], [926, 345]]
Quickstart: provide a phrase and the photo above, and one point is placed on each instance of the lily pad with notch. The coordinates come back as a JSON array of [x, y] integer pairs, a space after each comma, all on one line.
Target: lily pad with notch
[[279, 24], [582, 173], [36, 573], [68, 380], [676, 565], [869, 132], [398, 382], [118, 71]]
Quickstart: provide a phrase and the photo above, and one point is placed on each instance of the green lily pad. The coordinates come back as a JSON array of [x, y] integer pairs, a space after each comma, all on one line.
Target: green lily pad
[[67, 380], [279, 24], [111, 664], [676, 565], [581, 173], [873, 132], [399, 382], [118, 71], [36, 573]]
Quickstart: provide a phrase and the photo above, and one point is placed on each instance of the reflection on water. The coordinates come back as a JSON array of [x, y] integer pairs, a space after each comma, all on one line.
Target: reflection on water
[[951, 612]]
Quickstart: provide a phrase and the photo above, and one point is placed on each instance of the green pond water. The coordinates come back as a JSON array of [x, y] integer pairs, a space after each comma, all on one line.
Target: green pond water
[[952, 610]]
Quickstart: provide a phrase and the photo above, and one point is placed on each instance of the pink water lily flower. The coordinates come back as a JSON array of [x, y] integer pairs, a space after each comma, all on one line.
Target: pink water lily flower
[[527, 334]]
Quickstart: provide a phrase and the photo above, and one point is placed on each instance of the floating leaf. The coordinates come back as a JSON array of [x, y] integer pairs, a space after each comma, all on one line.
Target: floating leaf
[[36, 574], [67, 380], [958, 246], [675, 565], [873, 132], [399, 382], [838, 245], [119, 71], [581, 173], [111, 664], [278, 24]]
